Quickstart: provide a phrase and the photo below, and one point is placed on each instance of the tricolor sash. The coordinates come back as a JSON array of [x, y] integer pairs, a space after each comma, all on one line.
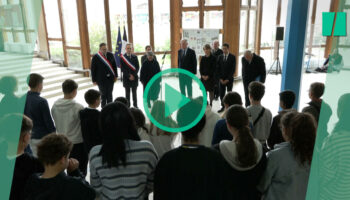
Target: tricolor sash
[[105, 61], [128, 63]]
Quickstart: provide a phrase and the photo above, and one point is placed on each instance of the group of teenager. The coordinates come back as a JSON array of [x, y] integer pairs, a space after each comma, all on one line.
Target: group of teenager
[[243, 154]]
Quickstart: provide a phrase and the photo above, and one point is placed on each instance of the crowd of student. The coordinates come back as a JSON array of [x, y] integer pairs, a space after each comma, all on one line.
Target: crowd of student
[[244, 154]]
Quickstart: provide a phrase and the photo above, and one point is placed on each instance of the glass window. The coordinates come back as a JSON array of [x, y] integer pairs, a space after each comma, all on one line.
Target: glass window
[[244, 2], [167, 61], [189, 3], [52, 19], [74, 58], [96, 24], [268, 23], [190, 20], [117, 17], [161, 25], [252, 29], [321, 7], [70, 17], [254, 2], [56, 50], [242, 32], [213, 2], [140, 24], [213, 19]]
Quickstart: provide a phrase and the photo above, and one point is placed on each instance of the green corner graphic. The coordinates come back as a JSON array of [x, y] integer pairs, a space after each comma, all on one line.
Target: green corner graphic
[[173, 111]]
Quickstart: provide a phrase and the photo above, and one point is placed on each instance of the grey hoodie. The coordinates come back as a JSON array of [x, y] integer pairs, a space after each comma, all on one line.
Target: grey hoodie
[[65, 113]]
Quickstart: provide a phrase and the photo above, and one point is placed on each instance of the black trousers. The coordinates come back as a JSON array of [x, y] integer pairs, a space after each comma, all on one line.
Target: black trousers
[[134, 95], [223, 89], [106, 90], [185, 82], [246, 92], [216, 90], [79, 152]]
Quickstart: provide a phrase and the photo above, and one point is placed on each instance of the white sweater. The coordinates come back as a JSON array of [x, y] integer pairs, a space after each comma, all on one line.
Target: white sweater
[[65, 113]]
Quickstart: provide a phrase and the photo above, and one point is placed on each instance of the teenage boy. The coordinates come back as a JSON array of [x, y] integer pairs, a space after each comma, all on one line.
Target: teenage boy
[[37, 109], [54, 184], [89, 118], [260, 116], [65, 113]]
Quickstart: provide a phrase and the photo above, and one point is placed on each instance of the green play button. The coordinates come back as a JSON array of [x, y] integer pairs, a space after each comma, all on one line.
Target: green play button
[[175, 100]]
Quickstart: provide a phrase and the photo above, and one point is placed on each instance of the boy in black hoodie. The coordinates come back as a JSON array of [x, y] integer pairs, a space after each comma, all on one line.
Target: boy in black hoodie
[[89, 118], [54, 184]]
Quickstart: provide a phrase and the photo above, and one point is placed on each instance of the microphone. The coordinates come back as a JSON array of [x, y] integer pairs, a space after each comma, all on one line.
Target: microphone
[[164, 55]]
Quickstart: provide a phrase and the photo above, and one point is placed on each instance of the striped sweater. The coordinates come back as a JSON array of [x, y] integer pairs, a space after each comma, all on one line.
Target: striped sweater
[[135, 181]]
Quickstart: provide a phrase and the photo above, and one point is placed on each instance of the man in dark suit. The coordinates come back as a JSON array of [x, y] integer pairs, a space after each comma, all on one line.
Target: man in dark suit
[[104, 73], [148, 48], [130, 68], [187, 60], [216, 52], [226, 68], [253, 69]]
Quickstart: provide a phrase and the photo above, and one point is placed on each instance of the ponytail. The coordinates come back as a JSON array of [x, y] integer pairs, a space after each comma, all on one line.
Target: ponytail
[[247, 152], [246, 148]]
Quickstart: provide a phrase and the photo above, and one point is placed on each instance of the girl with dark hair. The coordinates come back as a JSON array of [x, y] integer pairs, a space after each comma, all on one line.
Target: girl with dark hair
[[245, 159], [122, 167], [288, 166], [140, 123]]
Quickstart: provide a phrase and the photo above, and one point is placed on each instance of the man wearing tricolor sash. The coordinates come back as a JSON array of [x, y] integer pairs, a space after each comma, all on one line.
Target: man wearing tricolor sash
[[130, 68], [104, 73]]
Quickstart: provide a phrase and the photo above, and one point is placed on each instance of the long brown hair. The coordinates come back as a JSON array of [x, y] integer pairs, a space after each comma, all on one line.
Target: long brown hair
[[302, 134], [237, 117]]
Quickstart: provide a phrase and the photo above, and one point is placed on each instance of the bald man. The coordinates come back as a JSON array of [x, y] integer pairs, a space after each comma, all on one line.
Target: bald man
[[253, 69]]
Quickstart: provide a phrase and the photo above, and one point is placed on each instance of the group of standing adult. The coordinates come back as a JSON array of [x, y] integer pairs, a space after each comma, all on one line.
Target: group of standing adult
[[217, 70]]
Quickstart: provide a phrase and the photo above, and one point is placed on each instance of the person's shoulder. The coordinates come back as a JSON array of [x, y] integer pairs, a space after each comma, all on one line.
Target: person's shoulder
[[95, 151]]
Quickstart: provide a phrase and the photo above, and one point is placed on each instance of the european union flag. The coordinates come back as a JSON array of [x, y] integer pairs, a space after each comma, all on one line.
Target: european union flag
[[118, 48]]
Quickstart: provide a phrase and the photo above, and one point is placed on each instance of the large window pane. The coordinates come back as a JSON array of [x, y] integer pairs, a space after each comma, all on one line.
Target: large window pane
[[189, 3], [56, 50], [140, 24], [242, 32], [74, 57], [213, 2], [161, 25], [213, 19], [96, 23], [268, 23], [254, 2], [52, 19], [167, 61], [190, 20], [70, 17], [118, 16], [252, 29], [244, 2]]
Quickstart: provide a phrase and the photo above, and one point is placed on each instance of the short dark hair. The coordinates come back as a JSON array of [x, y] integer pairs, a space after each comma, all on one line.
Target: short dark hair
[[148, 46], [34, 80], [53, 147], [102, 44], [232, 98], [91, 96], [317, 89], [123, 100], [226, 45], [68, 86], [256, 90], [288, 98], [27, 124]]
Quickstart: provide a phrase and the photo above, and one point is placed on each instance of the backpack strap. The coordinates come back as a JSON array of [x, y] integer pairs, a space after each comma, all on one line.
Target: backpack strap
[[259, 116]]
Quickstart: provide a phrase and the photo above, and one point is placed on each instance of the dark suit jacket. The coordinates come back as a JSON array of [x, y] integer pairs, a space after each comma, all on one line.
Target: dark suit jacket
[[256, 68], [148, 70], [100, 72], [127, 71], [189, 61], [226, 69], [217, 53]]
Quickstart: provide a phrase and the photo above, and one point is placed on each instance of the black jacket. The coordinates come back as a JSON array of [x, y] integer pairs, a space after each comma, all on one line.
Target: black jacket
[[226, 69], [37, 109], [256, 68], [127, 71], [217, 53], [90, 128], [100, 72], [148, 70], [189, 61], [59, 187], [207, 66]]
